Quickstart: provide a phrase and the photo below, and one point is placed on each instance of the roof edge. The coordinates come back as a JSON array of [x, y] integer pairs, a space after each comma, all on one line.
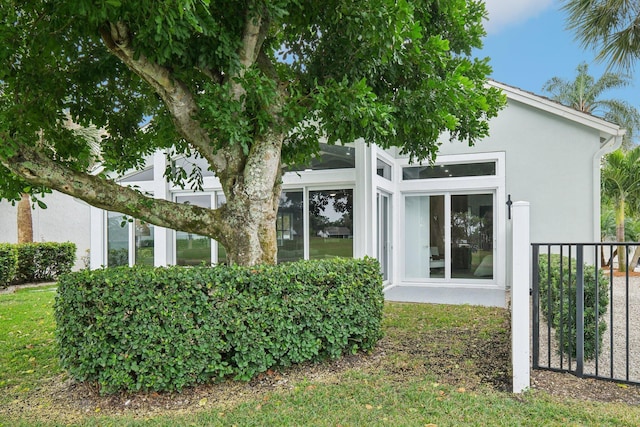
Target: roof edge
[[553, 107]]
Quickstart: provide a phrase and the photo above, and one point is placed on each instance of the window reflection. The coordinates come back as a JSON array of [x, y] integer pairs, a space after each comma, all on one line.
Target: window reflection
[[472, 236], [290, 226], [117, 240], [191, 248], [330, 223], [144, 243]]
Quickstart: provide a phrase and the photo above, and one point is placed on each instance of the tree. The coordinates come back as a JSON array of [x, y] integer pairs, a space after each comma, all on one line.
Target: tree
[[621, 185], [609, 26], [584, 94], [247, 85], [25, 219]]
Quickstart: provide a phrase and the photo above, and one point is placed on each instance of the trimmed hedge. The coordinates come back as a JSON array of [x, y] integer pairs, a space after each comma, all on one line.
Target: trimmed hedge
[[562, 316], [8, 264], [40, 262], [158, 329]]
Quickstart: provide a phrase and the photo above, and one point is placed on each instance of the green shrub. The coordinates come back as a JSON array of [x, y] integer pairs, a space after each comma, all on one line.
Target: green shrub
[[144, 328], [39, 262], [8, 264], [562, 316]]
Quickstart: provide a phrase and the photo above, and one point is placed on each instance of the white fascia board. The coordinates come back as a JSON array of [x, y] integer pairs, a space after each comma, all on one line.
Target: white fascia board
[[605, 128]]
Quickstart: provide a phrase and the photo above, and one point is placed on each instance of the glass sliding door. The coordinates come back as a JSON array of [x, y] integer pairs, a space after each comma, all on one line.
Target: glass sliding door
[[425, 255], [191, 248], [449, 236], [472, 236]]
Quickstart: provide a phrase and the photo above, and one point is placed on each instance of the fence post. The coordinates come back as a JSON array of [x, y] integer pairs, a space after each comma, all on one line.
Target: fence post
[[580, 310], [535, 304], [520, 274]]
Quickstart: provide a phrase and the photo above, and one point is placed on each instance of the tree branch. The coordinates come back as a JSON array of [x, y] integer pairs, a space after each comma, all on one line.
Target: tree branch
[[174, 93], [37, 169]]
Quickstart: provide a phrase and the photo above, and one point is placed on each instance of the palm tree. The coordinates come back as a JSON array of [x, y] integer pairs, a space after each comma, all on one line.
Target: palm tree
[[621, 185], [609, 26], [584, 94]]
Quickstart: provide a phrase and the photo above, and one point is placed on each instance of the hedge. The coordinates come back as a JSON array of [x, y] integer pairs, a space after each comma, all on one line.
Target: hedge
[[142, 328], [8, 264], [561, 294], [39, 262]]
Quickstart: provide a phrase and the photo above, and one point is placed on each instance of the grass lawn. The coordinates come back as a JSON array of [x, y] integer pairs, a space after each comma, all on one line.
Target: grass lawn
[[437, 365]]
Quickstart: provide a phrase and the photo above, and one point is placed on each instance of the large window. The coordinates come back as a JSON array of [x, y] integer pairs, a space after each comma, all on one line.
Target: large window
[[290, 226], [117, 240], [143, 254], [425, 238], [191, 248], [472, 236], [449, 236], [330, 223]]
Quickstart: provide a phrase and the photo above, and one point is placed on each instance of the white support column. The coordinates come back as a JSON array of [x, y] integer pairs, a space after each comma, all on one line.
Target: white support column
[[97, 246], [161, 235], [363, 203], [521, 279]]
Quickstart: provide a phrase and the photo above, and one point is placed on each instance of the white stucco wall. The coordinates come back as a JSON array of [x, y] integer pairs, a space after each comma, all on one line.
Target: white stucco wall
[[65, 220], [550, 163]]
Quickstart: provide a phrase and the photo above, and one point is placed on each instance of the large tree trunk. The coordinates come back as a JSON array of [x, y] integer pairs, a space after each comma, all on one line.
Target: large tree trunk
[[253, 195], [622, 251], [25, 220]]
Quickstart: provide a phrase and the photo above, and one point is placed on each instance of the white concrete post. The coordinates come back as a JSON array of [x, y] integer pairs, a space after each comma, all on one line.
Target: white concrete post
[[161, 235], [521, 276], [97, 248]]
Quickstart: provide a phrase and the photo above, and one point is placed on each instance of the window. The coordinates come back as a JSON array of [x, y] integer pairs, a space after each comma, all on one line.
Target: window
[[330, 223], [144, 243], [145, 175], [449, 170], [472, 236], [425, 236], [383, 169], [189, 164], [117, 240], [222, 252], [330, 157], [449, 236], [290, 226], [191, 248]]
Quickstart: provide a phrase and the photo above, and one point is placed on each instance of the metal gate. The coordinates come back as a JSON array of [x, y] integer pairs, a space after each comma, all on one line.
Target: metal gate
[[585, 319]]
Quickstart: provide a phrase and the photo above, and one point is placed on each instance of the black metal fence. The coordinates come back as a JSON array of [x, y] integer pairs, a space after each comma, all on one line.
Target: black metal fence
[[585, 311]]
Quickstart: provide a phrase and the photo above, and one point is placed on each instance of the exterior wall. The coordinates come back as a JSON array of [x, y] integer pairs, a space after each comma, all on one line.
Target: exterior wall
[[65, 220], [549, 163]]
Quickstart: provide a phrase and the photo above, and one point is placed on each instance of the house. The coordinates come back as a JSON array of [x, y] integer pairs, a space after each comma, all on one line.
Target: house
[[66, 219], [441, 232]]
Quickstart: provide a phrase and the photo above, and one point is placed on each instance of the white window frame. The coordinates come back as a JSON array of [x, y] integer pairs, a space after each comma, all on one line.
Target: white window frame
[[494, 184]]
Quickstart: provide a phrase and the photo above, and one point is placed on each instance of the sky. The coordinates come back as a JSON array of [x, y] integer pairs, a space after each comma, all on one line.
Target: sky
[[528, 44]]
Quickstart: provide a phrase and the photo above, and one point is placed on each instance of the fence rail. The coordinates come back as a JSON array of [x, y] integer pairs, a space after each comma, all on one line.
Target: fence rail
[[585, 313]]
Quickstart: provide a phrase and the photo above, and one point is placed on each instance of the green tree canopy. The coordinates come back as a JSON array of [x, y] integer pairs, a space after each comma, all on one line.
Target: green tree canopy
[[247, 85], [609, 26], [620, 177]]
